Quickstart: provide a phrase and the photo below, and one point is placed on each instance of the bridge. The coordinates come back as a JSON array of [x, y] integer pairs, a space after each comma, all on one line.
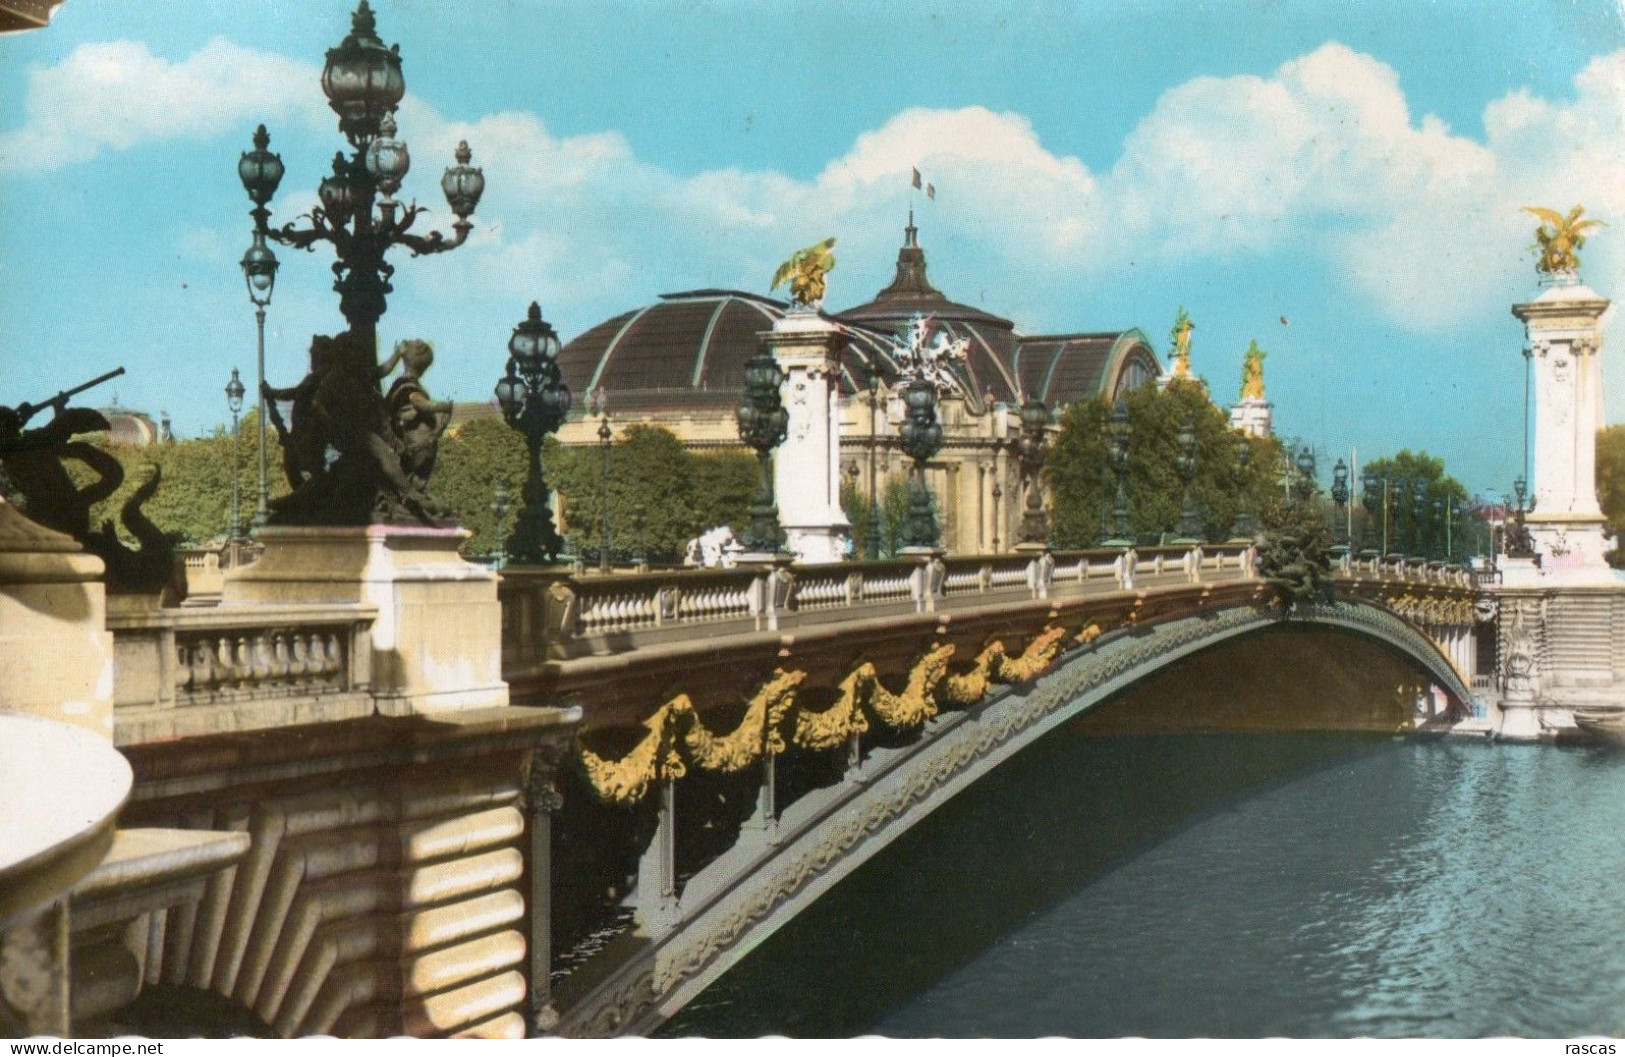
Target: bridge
[[728, 744], [899, 683], [364, 786]]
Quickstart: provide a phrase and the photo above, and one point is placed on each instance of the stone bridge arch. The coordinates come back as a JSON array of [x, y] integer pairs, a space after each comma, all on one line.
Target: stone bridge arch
[[770, 876]]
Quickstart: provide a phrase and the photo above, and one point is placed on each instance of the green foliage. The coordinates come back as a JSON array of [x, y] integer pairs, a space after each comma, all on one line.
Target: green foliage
[[893, 510], [1412, 530], [1083, 487], [473, 457], [1611, 487]]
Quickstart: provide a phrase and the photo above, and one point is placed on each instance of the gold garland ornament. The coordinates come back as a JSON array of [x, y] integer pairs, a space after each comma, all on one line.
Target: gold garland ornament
[[656, 756]]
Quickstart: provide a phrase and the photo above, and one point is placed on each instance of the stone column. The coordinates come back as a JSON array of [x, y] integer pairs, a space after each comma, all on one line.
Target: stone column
[[807, 466], [1564, 327]]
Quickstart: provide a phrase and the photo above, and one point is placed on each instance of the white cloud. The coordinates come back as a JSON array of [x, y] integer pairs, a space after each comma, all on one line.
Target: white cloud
[[115, 95], [1323, 158]]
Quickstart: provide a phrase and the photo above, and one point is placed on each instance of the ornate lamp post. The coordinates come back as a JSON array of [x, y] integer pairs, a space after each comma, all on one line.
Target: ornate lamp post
[[1441, 522], [1419, 514], [1190, 517], [763, 421], [234, 401], [1395, 497], [1245, 527], [500, 503], [261, 173], [1370, 498], [872, 550], [1117, 442], [1032, 448], [598, 404], [1306, 474], [534, 401], [640, 525], [920, 438], [1340, 496], [360, 217]]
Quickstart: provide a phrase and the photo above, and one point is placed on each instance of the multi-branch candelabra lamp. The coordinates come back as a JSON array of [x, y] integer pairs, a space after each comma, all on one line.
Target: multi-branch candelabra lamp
[[534, 401]]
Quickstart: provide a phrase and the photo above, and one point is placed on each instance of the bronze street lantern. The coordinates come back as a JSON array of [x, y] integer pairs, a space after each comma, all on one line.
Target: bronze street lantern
[[1190, 515], [359, 217], [1117, 441], [234, 403], [763, 423], [1372, 489], [920, 438], [1032, 448], [1245, 526], [534, 401]]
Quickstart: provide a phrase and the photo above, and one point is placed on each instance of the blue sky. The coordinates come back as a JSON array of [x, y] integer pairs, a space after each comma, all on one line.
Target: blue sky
[[1355, 169]]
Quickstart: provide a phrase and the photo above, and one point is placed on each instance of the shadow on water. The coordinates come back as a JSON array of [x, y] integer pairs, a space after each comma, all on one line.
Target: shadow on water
[[1065, 812]]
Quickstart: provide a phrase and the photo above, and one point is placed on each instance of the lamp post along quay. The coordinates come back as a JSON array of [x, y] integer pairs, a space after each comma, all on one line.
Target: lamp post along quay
[[358, 524], [1032, 449], [234, 403], [534, 400]]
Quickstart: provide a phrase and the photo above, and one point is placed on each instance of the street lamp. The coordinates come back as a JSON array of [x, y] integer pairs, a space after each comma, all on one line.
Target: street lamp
[[1306, 474], [1370, 482], [1190, 517], [763, 421], [1419, 512], [499, 513], [1117, 443], [872, 550], [363, 83], [1032, 448], [534, 401], [1398, 489], [234, 401], [261, 173], [920, 438], [598, 404], [1244, 528], [1340, 497]]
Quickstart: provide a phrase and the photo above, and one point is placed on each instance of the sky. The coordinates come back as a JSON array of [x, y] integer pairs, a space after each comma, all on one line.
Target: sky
[[1341, 182]]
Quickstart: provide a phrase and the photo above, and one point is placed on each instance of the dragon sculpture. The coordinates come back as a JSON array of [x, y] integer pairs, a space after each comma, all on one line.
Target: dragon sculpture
[[805, 272], [1559, 238]]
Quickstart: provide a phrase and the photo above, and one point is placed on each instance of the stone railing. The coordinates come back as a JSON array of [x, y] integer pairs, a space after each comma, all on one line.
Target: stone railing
[[186, 671], [553, 614], [1369, 565]]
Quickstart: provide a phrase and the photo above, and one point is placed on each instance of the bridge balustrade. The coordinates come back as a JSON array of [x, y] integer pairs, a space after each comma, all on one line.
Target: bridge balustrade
[[554, 615], [183, 671]]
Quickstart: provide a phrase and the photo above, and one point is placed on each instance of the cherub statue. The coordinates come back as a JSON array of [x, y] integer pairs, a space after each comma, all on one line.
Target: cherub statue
[[805, 272], [419, 421], [1560, 238], [1252, 373], [1181, 335]]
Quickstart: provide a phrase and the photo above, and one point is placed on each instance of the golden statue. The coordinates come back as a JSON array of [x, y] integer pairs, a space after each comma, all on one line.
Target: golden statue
[[805, 271], [1181, 335], [1560, 238], [1252, 373]]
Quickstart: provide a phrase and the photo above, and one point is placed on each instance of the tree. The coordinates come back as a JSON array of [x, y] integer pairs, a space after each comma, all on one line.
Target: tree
[[894, 499], [1611, 487], [1417, 528], [1083, 487], [474, 456]]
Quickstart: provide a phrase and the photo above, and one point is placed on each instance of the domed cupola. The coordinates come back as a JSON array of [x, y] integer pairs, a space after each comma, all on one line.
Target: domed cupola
[[992, 339]]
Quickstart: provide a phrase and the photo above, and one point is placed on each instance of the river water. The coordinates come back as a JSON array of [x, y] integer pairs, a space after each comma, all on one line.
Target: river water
[[1223, 884]]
